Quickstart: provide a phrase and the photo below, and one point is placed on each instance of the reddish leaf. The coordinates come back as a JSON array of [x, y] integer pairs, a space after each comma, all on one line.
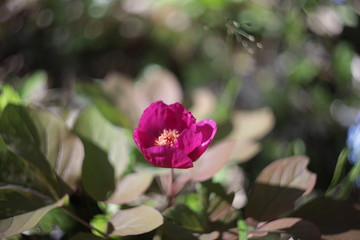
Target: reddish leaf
[[204, 102], [252, 125], [296, 227], [135, 221], [160, 84], [211, 161], [336, 219], [278, 186], [204, 168], [209, 236], [130, 187], [244, 150]]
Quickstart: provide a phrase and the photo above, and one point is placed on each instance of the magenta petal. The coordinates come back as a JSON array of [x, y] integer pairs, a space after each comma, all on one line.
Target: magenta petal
[[159, 116], [167, 157], [208, 129], [185, 117], [142, 139], [188, 141]]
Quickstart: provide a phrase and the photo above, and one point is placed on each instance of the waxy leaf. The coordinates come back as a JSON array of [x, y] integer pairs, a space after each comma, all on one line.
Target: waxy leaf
[[211, 161], [252, 125], [27, 128], [204, 168], [109, 138], [135, 221], [204, 102], [130, 187], [278, 186], [244, 150], [8, 95], [296, 227], [337, 220], [20, 223], [157, 83], [98, 177]]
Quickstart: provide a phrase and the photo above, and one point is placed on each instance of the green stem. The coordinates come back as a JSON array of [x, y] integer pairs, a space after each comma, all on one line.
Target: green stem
[[86, 224], [170, 191], [242, 228]]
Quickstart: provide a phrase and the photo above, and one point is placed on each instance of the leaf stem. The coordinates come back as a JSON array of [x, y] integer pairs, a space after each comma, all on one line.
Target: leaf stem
[[170, 191], [86, 224]]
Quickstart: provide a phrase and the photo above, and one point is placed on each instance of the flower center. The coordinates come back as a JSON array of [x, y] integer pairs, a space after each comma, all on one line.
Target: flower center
[[167, 137]]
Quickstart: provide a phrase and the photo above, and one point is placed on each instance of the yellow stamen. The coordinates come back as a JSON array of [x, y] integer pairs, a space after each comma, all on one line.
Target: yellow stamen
[[167, 137]]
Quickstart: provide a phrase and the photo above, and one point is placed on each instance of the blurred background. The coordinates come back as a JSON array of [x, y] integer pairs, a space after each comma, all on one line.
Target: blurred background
[[299, 59]]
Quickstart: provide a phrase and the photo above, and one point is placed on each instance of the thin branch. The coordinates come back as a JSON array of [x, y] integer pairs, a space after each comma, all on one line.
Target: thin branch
[[86, 224]]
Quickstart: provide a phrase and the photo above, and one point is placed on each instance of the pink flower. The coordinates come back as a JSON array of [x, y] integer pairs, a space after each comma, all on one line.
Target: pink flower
[[168, 135]]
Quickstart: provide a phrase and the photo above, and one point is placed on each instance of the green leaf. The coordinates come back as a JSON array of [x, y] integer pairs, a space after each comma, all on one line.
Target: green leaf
[[339, 171], [98, 177], [278, 186], [135, 221], [55, 217], [111, 139], [342, 57], [191, 200], [20, 223], [184, 217], [100, 222], [349, 182], [35, 128], [27, 183], [33, 86], [94, 93], [8, 95]]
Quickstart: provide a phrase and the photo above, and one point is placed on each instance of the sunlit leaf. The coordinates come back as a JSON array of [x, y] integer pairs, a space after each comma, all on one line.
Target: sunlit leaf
[[111, 139], [337, 220], [204, 168], [160, 84], [184, 216], [278, 186], [204, 102], [124, 95], [244, 151], [34, 86], [27, 180], [130, 187], [100, 222], [20, 223], [26, 128], [135, 221], [296, 227], [8, 95], [56, 217], [99, 97], [62, 148], [211, 161], [209, 236], [252, 125], [156, 83]]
